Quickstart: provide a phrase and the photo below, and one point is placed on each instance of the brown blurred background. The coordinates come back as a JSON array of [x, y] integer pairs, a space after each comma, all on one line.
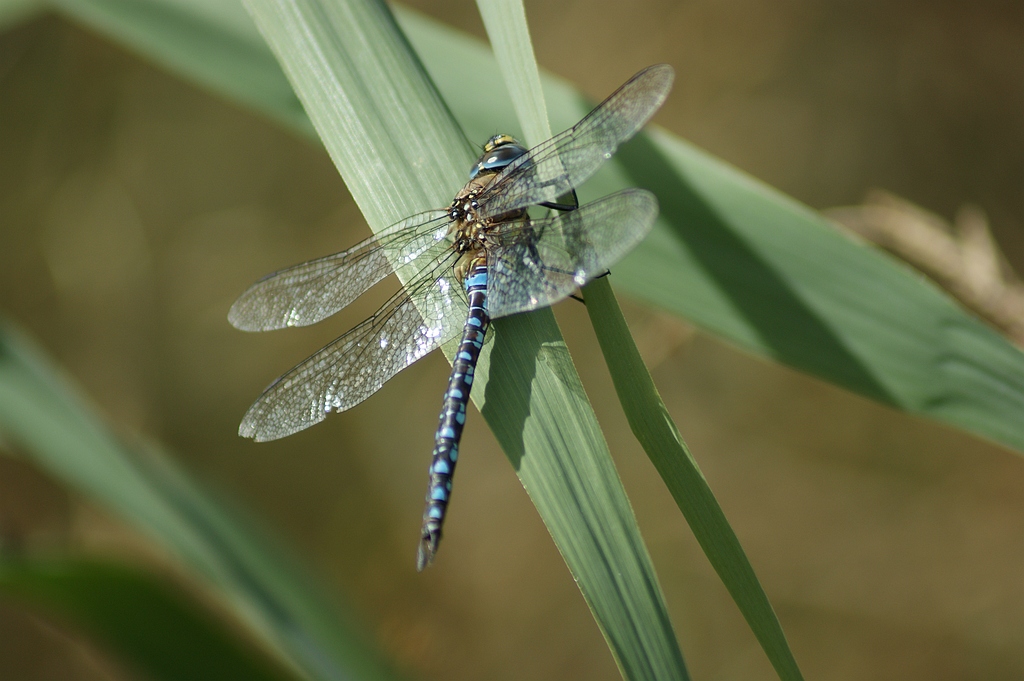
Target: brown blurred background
[[135, 207]]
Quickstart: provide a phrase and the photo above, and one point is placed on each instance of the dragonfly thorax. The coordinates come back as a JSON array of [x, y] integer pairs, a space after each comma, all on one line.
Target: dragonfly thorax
[[464, 206], [472, 233]]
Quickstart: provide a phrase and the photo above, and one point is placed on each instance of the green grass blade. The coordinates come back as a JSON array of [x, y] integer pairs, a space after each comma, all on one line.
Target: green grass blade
[[756, 267], [506, 28], [43, 417], [210, 42], [505, 21], [162, 631], [14, 12], [653, 427], [386, 128]]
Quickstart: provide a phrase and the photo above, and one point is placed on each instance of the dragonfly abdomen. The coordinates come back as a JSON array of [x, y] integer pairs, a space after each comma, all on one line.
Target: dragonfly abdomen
[[453, 413]]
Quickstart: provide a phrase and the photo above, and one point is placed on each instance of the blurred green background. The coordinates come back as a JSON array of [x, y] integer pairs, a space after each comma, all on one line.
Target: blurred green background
[[135, 207]]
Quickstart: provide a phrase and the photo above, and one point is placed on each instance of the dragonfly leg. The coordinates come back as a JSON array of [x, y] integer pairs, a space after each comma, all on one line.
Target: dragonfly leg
[[579, 299], [564, 207]]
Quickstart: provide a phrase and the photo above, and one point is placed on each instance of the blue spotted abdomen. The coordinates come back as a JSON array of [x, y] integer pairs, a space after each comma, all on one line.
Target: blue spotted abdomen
[[453, 414]]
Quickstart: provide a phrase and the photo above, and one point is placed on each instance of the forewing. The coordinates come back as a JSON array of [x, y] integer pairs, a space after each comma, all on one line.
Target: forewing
[[543, 261], [314, 290], [347, 371], [552, 168]]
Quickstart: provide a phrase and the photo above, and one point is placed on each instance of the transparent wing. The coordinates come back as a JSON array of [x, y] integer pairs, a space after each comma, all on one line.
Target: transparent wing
[[344, 373], [305, 294], [565, 161], [542, 261]]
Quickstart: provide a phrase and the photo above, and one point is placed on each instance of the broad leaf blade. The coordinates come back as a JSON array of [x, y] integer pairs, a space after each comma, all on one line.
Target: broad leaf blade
[[409, 157], [14, 12], [786, 284], [213, 43]]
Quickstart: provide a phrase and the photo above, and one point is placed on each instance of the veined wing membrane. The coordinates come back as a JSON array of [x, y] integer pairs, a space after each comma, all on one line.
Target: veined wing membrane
[[553, 168], [350, 369], [548, 259], [312, 291]]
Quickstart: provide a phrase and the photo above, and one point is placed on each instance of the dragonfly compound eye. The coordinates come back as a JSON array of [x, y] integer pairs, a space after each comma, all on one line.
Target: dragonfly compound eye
[[497, 158]]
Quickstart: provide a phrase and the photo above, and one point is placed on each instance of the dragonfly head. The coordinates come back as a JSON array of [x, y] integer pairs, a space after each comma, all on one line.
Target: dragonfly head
[[499, 151]]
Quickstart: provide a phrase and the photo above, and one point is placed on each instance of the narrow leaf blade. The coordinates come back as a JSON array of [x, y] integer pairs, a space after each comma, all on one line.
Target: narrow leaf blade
[[653, 427]]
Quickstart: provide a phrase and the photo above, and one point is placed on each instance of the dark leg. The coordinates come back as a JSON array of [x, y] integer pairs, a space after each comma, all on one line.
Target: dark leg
[[575, 202]]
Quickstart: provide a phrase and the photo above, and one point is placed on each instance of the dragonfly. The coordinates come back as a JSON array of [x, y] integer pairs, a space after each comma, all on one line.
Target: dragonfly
[[481, 258]]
